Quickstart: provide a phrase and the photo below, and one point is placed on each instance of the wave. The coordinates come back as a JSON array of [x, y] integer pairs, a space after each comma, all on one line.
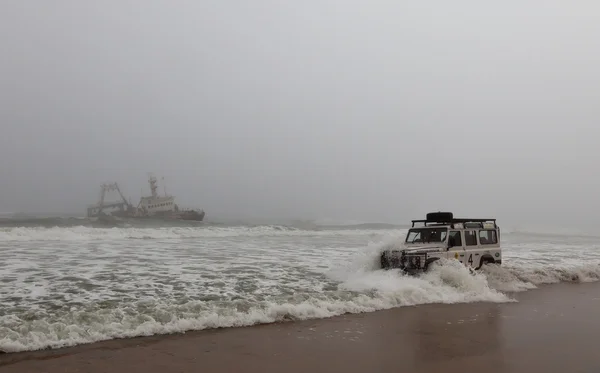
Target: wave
[[364, 292], [548, 231], [354, 286], [369, 292], [81, 233]]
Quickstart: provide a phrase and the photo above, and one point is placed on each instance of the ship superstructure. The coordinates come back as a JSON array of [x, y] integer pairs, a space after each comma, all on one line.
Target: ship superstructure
[[156, 204]]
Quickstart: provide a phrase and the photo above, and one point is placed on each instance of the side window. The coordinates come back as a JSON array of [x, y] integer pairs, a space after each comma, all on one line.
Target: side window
[[488, 237], [454, 239], [470, 238]]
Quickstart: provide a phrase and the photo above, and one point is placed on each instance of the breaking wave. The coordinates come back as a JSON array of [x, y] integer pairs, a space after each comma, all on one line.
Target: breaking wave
[[370, 291], [237, 276], [81, 233]]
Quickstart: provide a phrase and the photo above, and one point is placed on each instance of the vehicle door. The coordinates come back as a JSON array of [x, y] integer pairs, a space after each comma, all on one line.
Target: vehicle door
[[472, 249], [489, 247], [456, 249]]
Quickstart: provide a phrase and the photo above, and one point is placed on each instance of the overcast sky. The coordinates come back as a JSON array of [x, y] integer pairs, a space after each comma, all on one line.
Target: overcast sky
[[348, 110]]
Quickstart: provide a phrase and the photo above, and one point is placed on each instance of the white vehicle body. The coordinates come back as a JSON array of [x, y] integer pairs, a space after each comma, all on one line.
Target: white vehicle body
[[473, 242]]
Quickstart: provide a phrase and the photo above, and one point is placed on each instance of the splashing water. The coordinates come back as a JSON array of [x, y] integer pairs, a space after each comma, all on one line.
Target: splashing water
[[68, 286]]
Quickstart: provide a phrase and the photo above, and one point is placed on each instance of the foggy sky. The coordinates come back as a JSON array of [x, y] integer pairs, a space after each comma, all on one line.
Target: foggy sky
[[355, 110]]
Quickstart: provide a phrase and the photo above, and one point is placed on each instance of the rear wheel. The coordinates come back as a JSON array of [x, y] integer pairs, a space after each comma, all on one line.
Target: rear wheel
[[486, 260]]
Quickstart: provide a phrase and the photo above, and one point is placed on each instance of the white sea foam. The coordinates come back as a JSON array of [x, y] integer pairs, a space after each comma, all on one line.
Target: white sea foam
[[67, 286], [81, 233]]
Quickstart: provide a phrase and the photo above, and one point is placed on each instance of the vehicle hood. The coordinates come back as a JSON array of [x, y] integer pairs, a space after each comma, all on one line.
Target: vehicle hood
[[422, 249]]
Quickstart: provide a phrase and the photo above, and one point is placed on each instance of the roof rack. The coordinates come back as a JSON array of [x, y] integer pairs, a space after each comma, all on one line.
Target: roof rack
[[447, 218]]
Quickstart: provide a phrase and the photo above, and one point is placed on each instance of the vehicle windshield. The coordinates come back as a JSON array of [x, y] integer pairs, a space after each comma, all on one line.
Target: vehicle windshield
[[428, 235]]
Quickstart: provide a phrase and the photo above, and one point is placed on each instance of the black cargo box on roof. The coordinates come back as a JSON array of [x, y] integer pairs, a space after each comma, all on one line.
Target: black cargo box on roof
[[440, 217]]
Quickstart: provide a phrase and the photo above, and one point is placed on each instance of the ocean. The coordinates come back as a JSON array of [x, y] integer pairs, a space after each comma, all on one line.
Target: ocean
[[75, 284]]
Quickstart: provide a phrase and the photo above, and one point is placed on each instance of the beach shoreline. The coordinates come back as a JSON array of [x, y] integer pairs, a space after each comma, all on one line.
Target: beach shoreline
[[552, 329]]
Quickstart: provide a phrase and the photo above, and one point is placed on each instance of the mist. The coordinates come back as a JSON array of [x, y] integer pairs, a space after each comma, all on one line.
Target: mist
[[347, 110]]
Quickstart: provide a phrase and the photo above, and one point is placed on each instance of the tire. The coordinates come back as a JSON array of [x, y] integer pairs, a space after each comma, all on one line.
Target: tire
[[429, 262], [486, 259]]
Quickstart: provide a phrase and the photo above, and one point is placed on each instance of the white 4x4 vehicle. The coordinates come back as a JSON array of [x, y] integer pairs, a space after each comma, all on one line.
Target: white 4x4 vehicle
[[473, 242]]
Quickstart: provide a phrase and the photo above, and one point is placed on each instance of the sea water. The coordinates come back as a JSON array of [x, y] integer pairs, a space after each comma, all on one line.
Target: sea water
[[63, 286]]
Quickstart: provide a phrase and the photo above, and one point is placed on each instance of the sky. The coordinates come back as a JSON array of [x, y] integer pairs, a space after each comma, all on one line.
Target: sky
[[343, 110]]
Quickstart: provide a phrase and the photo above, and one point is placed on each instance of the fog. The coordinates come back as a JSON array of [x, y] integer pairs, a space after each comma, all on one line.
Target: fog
[[341, 110]]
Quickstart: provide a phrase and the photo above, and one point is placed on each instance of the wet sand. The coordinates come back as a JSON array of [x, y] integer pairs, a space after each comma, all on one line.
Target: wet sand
[[552, 329]]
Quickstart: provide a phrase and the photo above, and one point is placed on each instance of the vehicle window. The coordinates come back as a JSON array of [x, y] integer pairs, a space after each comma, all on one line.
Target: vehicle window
[[488, 237], [426, 235], [412, 236], [470, 238], [454, 238]]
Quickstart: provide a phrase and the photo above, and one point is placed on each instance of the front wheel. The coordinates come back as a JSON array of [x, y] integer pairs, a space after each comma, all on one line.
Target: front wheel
[[429, 262]]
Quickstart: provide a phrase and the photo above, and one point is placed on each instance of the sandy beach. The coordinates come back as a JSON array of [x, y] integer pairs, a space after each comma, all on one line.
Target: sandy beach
[[552, 329]]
